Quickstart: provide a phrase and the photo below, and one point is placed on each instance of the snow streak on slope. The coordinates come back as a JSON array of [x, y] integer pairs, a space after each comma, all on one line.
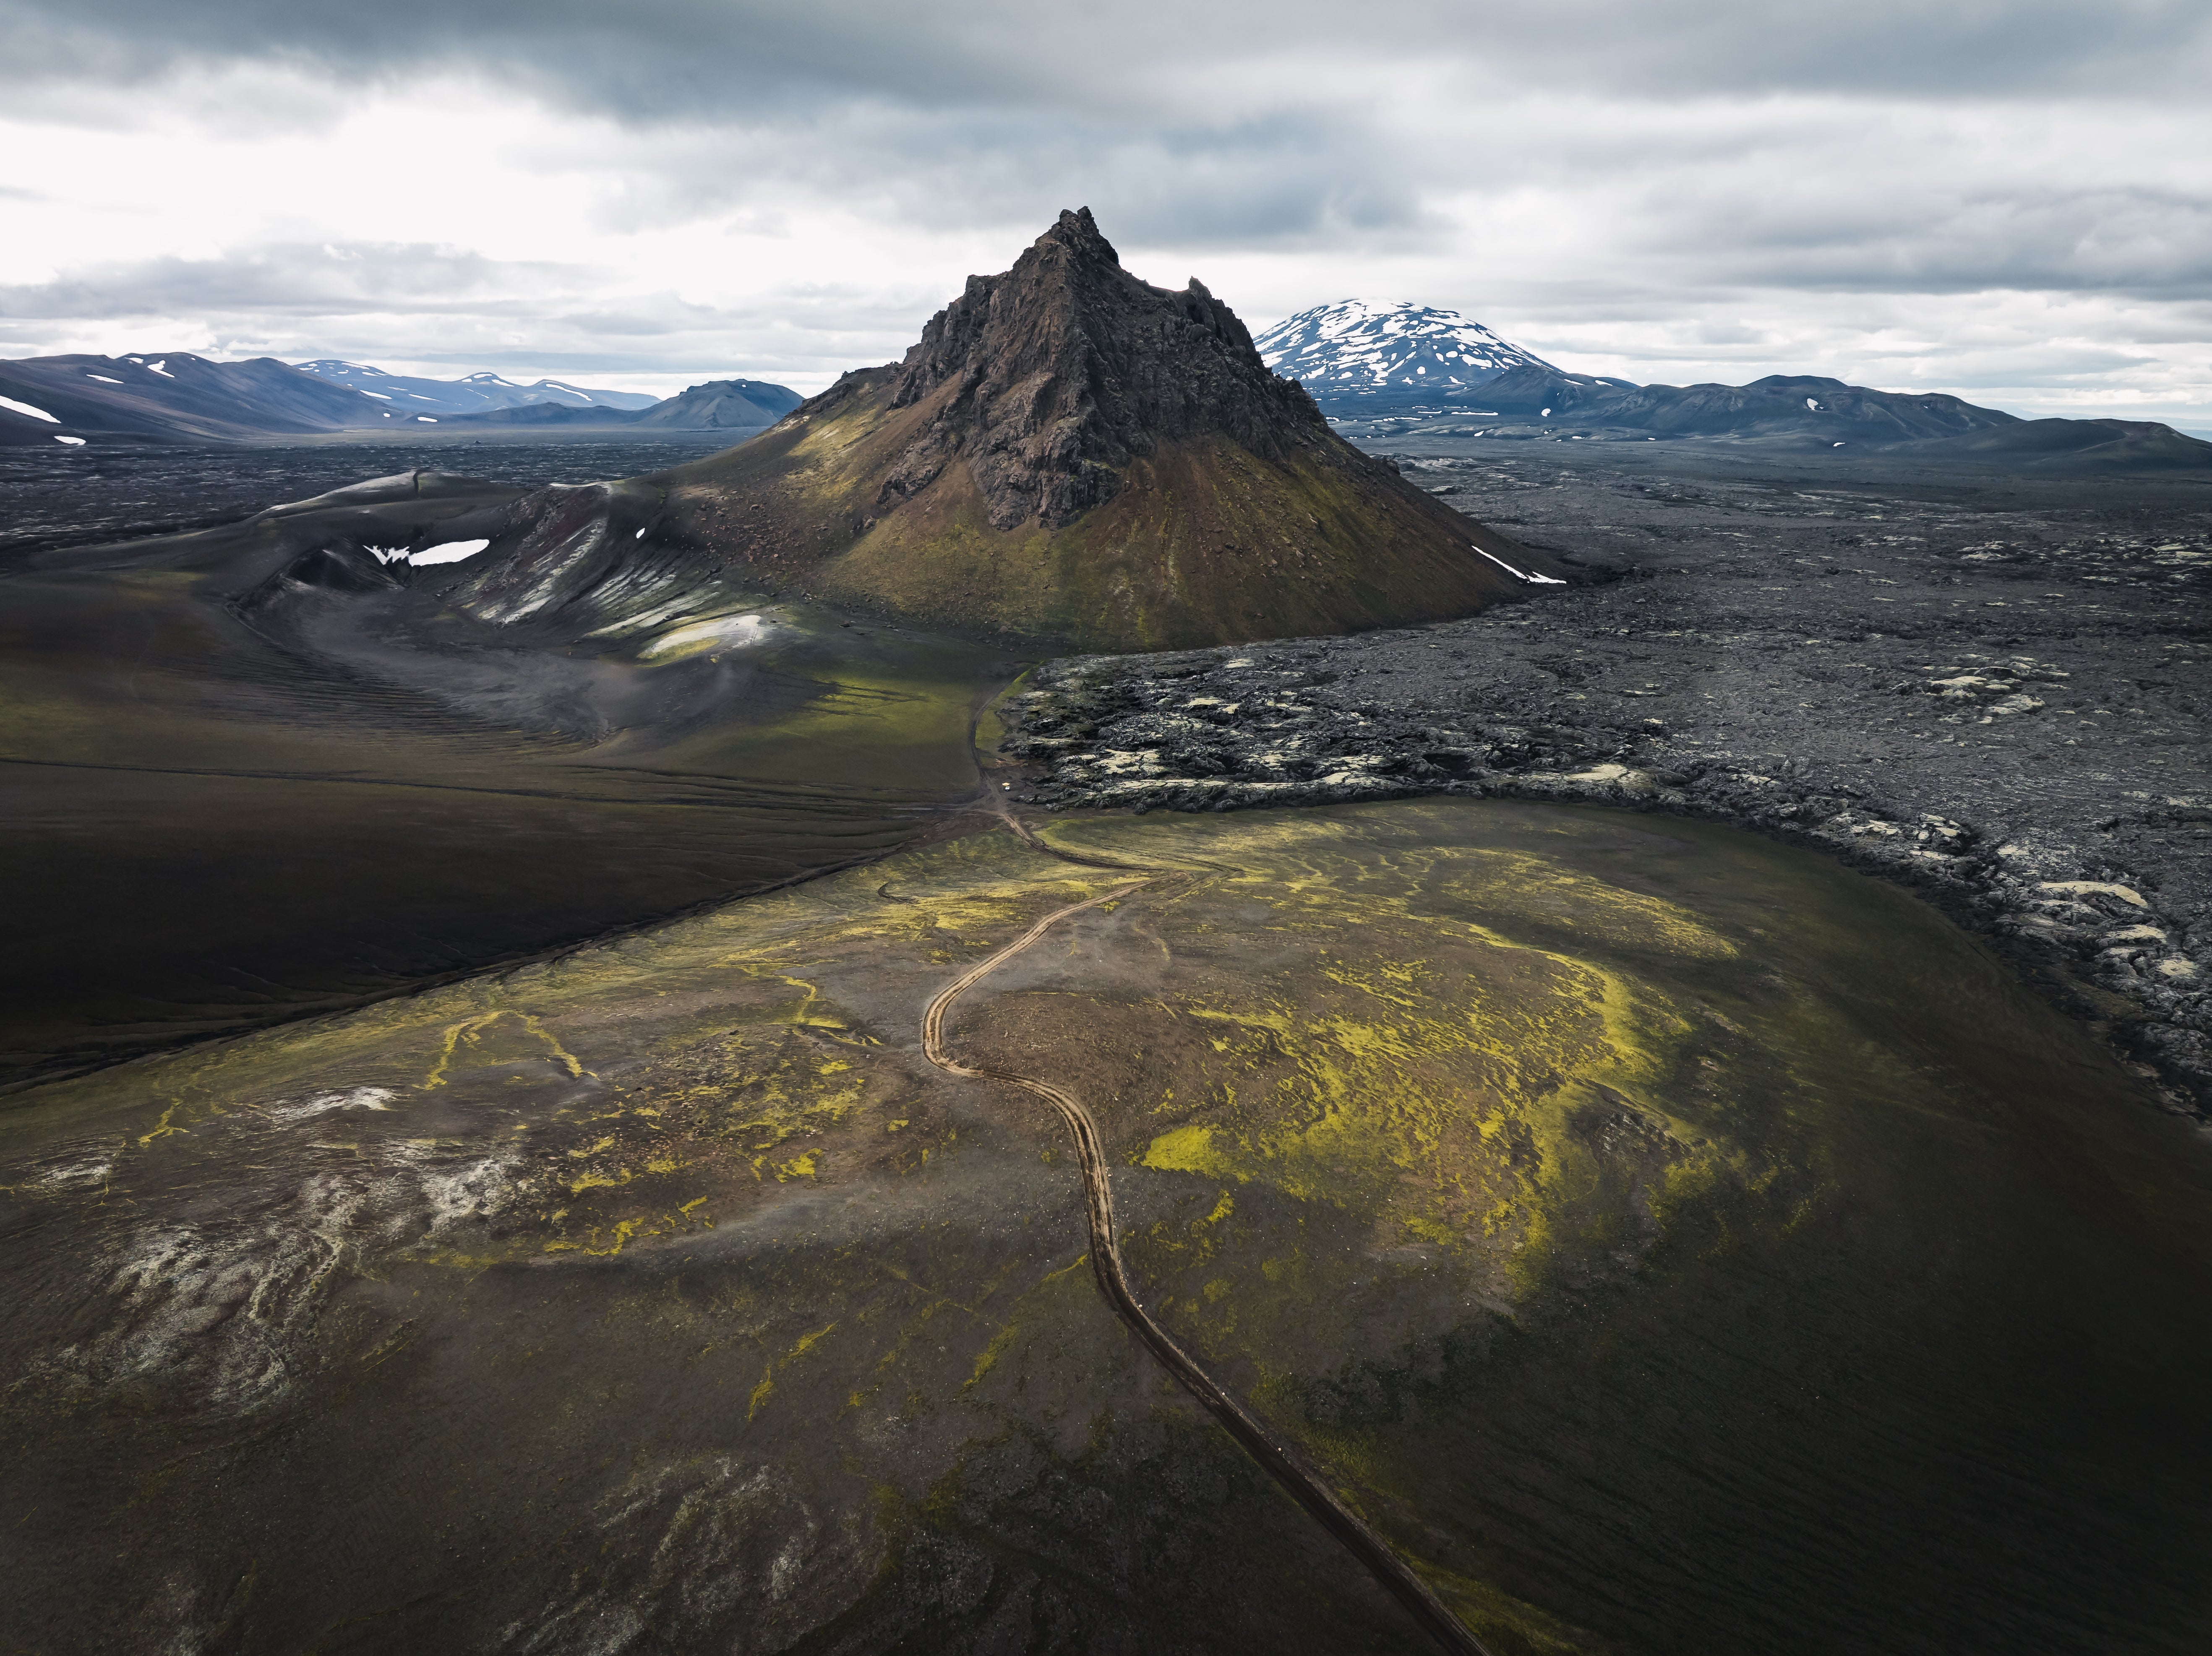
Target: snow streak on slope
[[473, 393], [1358, 346]]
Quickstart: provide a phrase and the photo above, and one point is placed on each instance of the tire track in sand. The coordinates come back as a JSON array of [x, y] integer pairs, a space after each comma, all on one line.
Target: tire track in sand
[[1304, 1485]]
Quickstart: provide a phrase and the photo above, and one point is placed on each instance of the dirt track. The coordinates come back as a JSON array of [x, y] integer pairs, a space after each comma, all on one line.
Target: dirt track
[[1304, 1485]]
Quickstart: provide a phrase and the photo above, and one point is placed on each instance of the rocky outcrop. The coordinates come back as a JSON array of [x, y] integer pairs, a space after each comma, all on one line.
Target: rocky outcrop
[[1056, 374], [1072, 456]]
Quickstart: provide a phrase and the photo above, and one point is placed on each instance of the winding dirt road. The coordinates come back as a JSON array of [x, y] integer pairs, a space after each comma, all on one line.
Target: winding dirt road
[[1304, 1485]]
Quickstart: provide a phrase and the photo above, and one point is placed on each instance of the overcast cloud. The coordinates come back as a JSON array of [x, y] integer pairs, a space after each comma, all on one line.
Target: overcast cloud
[[2011, 201]]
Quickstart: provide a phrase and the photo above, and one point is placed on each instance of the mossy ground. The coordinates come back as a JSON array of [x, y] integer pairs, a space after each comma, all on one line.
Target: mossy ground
[[1618, 1210], [208, 827], [1204, 542]]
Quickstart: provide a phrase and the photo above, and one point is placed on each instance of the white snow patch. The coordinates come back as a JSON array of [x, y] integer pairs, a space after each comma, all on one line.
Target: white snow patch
[[157, 367], [381, 396], [1531, 577], [452, 552], [74, 442], [639, 536], [25, 408], [102, 378], [427, 420]]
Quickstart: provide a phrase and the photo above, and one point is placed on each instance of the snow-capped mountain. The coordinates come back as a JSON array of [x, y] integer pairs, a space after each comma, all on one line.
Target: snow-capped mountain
[[1361, 351], [475, 393]]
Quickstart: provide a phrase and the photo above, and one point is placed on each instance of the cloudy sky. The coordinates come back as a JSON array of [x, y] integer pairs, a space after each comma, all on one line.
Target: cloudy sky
[[2010, 199]]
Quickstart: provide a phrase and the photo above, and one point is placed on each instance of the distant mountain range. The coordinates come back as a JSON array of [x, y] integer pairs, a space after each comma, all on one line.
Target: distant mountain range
[[472, 394], [175, 398], [1390, 367], [1804, 412], [1360, 355], [179, 397], [1400, 369], [718, 405], [1780, 404]]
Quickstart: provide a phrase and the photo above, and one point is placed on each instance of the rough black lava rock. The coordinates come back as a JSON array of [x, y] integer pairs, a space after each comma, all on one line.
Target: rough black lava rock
[[1069, 367], [1990, 688]]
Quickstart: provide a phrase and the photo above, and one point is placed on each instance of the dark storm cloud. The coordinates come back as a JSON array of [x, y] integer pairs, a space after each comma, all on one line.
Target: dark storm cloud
[[1285, 125], [1276, 181], [742, 59]]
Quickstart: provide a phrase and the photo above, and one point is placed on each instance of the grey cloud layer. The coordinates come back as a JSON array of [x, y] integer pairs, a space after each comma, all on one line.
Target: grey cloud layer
[[1575, 163], [431, 304], [650, 59]]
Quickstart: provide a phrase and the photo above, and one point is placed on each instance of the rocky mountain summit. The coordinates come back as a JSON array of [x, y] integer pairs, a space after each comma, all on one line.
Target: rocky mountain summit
[[1069, 455], [1057, 374]]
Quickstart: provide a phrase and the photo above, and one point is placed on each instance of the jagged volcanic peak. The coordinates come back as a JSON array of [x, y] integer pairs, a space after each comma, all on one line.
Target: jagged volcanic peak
[[1357, 345], [1069, 454], [1066, 367]]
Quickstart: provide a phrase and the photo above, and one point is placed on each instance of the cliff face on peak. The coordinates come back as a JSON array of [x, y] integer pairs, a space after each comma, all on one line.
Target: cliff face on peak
[[1049, 379], [1068, 455]]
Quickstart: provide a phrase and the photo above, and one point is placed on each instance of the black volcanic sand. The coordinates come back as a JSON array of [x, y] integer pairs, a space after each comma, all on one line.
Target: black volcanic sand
[[1672, 1241], [226, 801], [51, 496], [1991, 685]]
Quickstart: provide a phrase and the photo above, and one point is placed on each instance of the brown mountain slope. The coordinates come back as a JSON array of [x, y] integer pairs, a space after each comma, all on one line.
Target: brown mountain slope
[[1071, 454]]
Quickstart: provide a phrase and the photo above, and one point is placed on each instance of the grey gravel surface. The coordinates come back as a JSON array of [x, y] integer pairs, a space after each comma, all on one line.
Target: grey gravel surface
[[51, 498], [1992, 686]]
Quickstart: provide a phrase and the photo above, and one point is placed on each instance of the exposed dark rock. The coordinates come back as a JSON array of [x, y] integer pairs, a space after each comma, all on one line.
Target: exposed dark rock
[[1075, 457], [1069, 367], [338, 568]]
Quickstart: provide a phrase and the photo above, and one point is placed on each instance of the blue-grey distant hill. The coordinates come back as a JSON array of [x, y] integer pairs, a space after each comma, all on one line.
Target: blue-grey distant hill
[[1402, 366], [171, 397], [474, 393], [178, 397], [1811, 413], [718, 405]]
